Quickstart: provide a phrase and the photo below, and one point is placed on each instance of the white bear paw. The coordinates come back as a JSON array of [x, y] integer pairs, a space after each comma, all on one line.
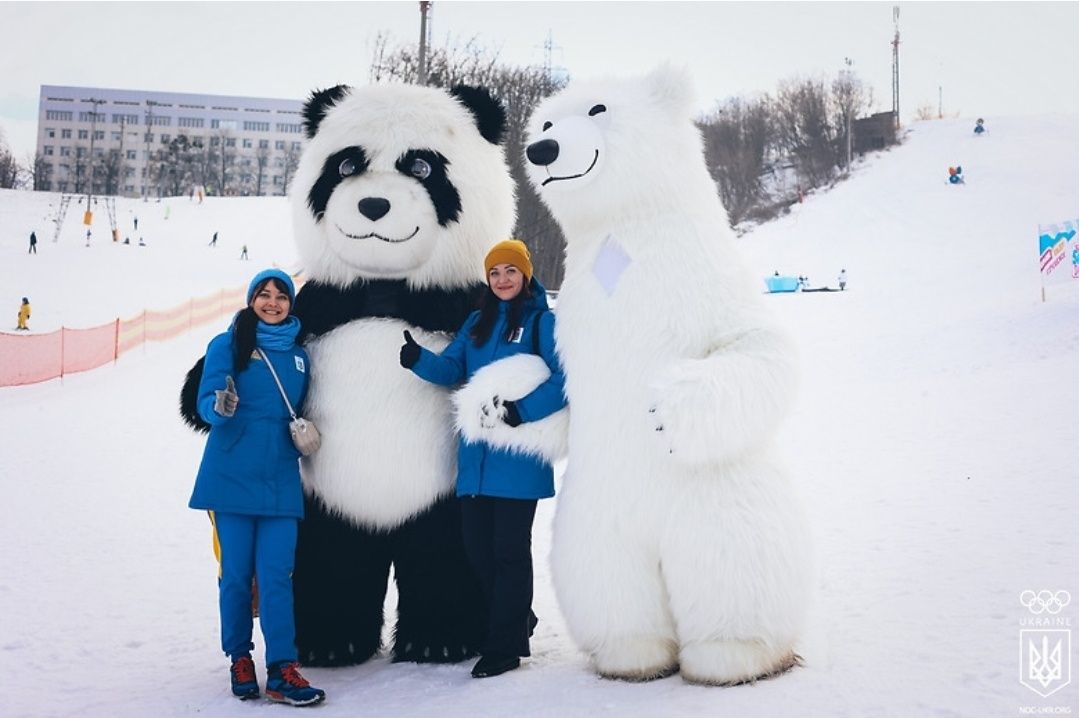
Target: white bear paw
[[729, 663], [637, 658]]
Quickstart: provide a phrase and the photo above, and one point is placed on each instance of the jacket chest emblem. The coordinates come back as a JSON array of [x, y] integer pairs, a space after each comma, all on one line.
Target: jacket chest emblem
[[300, 366]]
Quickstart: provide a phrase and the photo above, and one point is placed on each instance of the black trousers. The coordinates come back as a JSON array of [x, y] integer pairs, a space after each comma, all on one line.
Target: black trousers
[[498, 540]]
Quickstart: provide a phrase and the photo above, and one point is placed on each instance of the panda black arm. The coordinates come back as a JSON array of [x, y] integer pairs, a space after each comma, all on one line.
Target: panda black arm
[[324, 307], [441, 310]]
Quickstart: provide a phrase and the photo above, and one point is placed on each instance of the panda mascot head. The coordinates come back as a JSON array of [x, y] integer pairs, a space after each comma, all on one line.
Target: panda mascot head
[[397, 182]]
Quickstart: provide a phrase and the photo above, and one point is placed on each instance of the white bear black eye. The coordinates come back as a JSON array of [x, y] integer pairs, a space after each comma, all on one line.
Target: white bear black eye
[[347, 168], [420, 169], [546, 126], [596, 109]]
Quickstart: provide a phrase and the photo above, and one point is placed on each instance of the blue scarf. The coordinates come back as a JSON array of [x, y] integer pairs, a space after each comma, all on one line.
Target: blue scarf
[[278, 336]]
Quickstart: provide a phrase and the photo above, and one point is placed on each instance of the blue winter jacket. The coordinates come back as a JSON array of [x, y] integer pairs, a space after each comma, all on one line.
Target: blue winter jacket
[[250, 465], [483, 470]]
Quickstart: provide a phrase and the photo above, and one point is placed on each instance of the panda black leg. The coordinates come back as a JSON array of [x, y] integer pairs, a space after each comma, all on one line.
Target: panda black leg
[[339, 586], [440, 612]]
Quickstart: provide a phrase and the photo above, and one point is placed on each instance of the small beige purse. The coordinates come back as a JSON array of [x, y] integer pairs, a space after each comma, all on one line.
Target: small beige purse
[[305, 436]]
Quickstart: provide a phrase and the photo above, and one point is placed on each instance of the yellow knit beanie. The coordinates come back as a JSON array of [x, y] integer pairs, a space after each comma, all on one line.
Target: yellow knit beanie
[[510, 251]]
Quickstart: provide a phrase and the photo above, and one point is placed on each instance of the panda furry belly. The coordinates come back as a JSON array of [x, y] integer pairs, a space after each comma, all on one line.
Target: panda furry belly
[[388, 450]]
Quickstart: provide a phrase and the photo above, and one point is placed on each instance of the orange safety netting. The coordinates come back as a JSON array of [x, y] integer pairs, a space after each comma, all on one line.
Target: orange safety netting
[[30, 358], [88, 348]]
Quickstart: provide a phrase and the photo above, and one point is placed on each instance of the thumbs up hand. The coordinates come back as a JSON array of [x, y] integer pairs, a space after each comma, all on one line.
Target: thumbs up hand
[[410, 351], [226, 401]]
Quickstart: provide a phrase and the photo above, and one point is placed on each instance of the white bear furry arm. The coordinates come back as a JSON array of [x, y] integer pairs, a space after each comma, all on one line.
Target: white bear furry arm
[[716, 408], [511, 379]]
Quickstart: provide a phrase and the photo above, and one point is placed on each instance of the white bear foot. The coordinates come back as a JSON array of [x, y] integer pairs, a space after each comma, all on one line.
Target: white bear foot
[[637, 659], [728, 663]]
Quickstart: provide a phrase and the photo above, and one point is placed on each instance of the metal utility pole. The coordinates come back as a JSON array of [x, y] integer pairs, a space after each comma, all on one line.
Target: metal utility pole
[[940, 102], [93, 131], [895, 66], [425, 8]]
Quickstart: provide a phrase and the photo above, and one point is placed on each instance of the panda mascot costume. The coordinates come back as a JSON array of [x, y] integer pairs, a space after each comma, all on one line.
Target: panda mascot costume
[[399, 193]]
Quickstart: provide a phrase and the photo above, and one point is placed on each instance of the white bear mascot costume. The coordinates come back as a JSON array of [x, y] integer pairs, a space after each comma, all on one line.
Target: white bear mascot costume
[[677, 544]]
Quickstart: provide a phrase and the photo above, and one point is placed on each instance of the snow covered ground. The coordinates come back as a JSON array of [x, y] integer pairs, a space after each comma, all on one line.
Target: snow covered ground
[[934, 443]]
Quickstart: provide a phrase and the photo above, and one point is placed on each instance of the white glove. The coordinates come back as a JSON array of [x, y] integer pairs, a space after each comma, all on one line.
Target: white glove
[[226, 401]]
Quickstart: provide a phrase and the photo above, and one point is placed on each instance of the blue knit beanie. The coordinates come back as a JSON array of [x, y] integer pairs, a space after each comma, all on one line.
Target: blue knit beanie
[[272, 274]]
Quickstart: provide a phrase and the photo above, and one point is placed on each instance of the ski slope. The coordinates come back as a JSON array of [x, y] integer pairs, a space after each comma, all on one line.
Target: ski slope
[[933, 442]]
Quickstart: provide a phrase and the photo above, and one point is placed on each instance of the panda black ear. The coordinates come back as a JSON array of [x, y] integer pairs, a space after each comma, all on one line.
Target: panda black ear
[[315, 109], [486, 110]]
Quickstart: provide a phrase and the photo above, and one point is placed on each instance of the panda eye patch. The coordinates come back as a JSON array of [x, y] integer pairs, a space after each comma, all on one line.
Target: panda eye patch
[[596, 109], [347, 168], [546, 126], [420, 169]]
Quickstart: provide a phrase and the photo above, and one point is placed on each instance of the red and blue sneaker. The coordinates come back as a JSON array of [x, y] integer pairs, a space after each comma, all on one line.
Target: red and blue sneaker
[[245, 685], [284, 684]]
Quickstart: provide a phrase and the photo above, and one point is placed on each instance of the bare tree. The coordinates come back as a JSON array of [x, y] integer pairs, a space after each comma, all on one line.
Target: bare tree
[[804, 130], [262, 161], [290, 159], [40, 171], [738, 135], [850, 97]]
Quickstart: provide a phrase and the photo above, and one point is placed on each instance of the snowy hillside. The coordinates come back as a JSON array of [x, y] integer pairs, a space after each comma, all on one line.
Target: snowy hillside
[[933, 442]]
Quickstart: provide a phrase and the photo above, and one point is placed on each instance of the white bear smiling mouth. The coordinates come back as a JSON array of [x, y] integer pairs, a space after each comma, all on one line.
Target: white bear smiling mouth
[[595, 159], [391, 240]]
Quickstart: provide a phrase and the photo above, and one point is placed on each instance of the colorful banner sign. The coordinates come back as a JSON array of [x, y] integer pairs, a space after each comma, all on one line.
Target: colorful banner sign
[[1058, 248]]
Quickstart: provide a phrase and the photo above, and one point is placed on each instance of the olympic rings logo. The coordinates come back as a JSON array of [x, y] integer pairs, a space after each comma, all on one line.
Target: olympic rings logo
[[1045, 601]]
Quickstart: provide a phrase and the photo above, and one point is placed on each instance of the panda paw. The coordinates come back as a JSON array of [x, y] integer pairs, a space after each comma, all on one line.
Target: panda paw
[[419, 653], [327, 656]]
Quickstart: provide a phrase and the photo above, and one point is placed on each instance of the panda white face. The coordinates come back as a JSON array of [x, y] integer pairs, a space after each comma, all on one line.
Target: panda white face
[[401, 182], [384, 218]]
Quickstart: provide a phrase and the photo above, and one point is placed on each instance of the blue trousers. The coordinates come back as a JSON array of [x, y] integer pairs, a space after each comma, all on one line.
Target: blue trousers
[[263, 546]]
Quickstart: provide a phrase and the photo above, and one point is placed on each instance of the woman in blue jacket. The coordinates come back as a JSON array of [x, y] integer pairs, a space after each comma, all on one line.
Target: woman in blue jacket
[[499, 487], [249, 481]]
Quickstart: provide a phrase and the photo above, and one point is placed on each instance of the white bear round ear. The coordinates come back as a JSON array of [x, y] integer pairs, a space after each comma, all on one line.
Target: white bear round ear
[[671, 86]]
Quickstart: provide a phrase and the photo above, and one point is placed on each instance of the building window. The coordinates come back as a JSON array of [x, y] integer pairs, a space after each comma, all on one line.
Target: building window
[[158, 120], [295, 145], [148, 137], [230, 142], [247, 144], [190, 122], [61, 115], [131, 154], [99, 134], [65, 134], [279, 145], [48, 149], [264, 144], [116, 136], [289, 127], [278, 180], [256, 126], [65, 151], [80, 151], [91, 117], [215, 141], [50, 132], [165, 139], [84, 134]]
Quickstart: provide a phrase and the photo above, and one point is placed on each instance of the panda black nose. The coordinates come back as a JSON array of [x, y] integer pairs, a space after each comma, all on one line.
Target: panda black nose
[[374, 207], [542, 153]]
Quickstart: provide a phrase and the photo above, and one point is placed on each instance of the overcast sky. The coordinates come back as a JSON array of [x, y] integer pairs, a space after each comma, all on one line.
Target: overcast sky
[[991, 59]]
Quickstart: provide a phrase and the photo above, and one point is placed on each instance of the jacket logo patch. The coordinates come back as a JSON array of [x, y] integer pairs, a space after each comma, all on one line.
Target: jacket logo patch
[[300, 365], [517, 334]]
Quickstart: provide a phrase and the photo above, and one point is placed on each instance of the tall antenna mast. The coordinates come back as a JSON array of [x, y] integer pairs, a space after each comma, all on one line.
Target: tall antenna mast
[[425, 9], [895, 66]]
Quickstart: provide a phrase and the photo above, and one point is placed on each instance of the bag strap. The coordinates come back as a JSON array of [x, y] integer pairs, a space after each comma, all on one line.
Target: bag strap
[[280, 388]]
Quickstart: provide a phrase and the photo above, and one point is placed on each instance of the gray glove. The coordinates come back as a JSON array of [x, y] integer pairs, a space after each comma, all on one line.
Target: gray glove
[[225, 402]]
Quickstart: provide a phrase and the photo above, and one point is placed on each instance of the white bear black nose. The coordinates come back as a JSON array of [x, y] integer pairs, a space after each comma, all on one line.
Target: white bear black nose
[[542, 153], [374, 207]]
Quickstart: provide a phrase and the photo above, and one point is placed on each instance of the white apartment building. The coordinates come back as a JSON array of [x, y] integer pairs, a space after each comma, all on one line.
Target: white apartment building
[[144, 143]]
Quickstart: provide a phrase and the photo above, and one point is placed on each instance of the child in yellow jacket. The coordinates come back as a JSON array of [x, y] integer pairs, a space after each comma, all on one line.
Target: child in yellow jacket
[[24, 314]]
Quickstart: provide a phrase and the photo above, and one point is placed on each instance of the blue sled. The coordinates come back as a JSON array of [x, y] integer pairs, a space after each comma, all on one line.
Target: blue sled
[[781, 284]]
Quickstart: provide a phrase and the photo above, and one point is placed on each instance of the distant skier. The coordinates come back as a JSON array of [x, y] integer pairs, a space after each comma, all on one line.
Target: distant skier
[[136, 223], [141, 243], [979, 127], [24, 315], [88, 236], [33, 243], [213, 242], [842, 279], [243, 253], [955, 175]]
